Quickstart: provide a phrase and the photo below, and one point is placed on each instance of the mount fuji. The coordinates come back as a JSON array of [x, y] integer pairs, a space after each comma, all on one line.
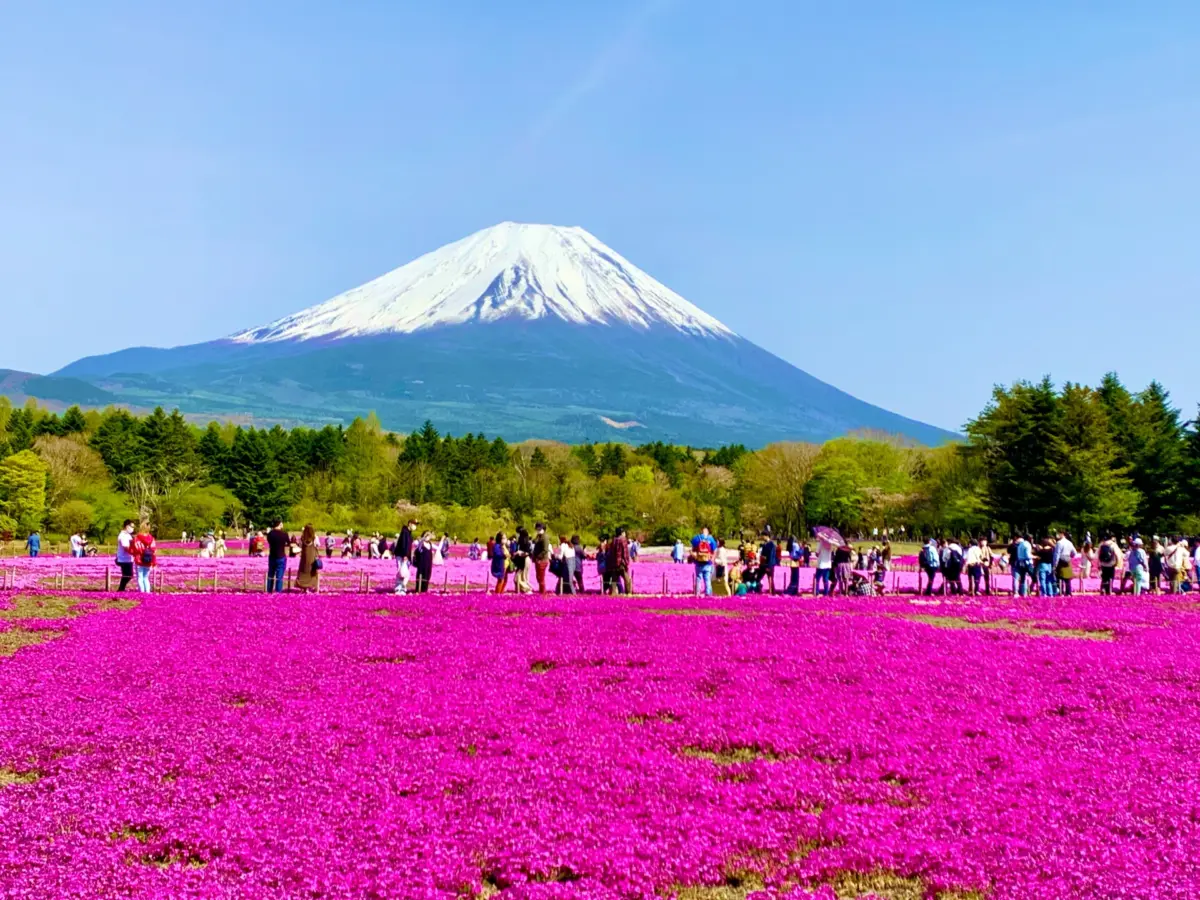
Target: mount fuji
[[518, 330]]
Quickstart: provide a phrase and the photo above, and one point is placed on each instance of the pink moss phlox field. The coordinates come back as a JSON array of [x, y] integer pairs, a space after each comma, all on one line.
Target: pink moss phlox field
[[650, 576], [357, 746]]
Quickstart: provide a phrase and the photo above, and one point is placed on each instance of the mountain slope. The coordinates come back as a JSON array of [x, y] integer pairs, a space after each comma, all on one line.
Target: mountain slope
[[18, 386], [509, 271], [522, 331]]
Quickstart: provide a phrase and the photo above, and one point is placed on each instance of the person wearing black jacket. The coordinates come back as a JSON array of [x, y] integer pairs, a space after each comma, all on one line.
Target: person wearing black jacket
[[404, 543], [423, 562], [543, 549], [278, 546], [768, 559]]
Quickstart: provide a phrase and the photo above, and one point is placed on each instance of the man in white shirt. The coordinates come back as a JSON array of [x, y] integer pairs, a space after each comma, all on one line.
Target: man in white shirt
[[1176, 561], [76, 540], [824, 568], [125, 553]]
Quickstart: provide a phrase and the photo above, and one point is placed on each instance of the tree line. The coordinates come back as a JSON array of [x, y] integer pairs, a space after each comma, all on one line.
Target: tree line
[[1036, 458]]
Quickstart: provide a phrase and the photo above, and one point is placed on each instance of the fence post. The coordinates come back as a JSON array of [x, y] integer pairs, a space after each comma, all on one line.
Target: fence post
[[367, 588], [199, 582], [108, 580], [245, 579], [445, 581], [466, 590], [216, 575]]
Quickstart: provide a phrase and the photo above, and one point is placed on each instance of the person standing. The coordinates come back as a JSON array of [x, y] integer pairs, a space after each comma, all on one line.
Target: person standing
[[1064, 553], [824, 574], [1045, 569], [843, 567], [975, 567], [1087, 559], [986, 559], [308, 572], [1176, 563], [580, 556], [795, 556], [618, 563], [1023, 567], [423, 552], [704, 548], [952, 566], [1108, 556], [542, 551], [33, 544], [145, 556], [404, 543], [522, 549], [677, 552], [125, 554], [1139, 565], [500, 562], [565, 558], [277, 550], [1156, 565], [768, 559], [76, 542], [931, 563]]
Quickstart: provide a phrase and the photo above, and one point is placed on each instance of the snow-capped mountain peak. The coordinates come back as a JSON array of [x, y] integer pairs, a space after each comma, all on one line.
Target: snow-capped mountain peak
[[510, 270]]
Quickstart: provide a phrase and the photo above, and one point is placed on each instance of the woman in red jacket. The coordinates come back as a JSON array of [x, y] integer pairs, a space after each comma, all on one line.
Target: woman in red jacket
[[145, 555]]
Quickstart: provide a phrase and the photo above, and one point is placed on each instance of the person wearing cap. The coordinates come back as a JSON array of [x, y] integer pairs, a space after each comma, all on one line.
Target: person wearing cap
[[1139, 566]]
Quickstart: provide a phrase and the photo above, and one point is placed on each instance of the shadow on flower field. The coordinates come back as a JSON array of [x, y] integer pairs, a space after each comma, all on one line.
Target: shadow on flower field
[[474, 746]]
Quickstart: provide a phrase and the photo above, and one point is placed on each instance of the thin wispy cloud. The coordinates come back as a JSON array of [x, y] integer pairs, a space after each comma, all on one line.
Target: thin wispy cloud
[[599, 70]]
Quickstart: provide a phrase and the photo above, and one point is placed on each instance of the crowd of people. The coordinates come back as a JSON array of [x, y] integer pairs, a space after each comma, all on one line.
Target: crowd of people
[[1049, 567], [1046, 567]]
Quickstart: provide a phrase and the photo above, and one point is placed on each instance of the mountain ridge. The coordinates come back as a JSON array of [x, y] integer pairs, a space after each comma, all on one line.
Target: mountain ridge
[[510, 270]]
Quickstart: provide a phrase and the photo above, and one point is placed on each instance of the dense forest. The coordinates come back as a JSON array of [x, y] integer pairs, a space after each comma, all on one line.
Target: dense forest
[[1036, 457]]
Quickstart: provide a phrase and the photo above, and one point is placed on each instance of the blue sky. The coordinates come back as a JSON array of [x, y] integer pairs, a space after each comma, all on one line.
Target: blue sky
[[912, 201]]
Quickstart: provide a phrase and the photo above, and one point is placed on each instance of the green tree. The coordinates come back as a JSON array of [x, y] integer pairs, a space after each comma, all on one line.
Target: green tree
[[1015, 437], [255, 480], [1095, 490], [23, 489], [73, 516], [74, 421]]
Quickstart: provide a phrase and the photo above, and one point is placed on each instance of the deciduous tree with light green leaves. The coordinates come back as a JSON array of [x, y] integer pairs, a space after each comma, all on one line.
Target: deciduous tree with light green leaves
[[23, 489]]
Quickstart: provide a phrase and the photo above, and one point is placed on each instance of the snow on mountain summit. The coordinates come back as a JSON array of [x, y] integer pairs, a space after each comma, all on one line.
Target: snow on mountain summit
[[507, 271]]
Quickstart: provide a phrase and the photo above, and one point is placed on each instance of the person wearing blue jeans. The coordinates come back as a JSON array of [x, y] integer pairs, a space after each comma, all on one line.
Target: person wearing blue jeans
[[277, 546], [34, 544], [822, 576], [1045, 569], [276, 570], [704, 548]]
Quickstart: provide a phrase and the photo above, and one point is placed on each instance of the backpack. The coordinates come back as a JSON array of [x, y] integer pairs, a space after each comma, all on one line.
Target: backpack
[[956, 558], [931, 557], [1107, 556]]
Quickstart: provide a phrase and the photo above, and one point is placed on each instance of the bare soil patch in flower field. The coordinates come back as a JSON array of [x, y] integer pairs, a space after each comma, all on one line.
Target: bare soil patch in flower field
[[15, 638], [696, 611], [1033, 629], [809, 748]]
